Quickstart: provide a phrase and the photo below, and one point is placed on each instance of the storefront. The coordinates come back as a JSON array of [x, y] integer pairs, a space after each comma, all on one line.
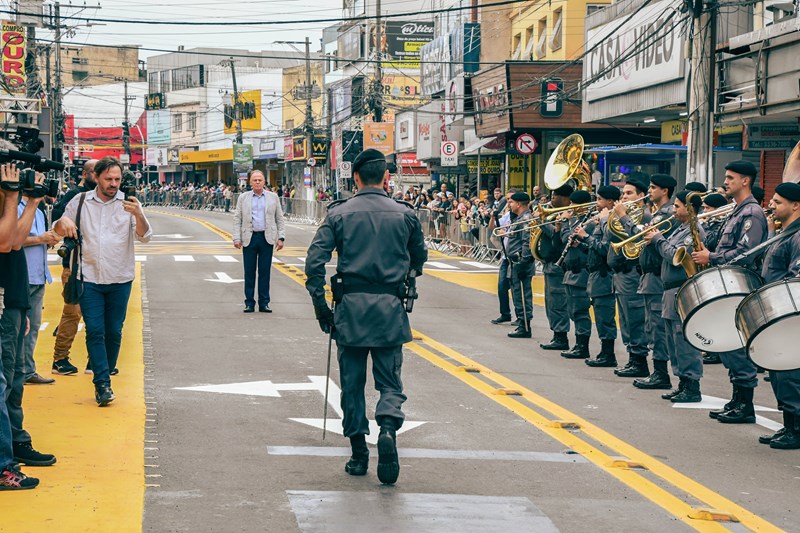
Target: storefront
[[210, 166]]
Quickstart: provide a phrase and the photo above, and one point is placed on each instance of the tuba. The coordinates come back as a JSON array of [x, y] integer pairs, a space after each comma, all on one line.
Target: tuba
[[792, 170], [566, 164]]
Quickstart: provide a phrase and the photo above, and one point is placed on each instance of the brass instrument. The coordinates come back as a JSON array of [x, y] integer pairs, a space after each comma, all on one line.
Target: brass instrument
[[632, 247], [634, 209], [718, 215], [566, 164], [682, 257], [792, 170], [545, 212]]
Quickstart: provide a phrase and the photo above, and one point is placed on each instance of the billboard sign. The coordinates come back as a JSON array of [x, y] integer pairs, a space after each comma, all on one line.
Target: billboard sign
[[435, 65], [401, 42], [13, 39], [159, 127], [250, 102]]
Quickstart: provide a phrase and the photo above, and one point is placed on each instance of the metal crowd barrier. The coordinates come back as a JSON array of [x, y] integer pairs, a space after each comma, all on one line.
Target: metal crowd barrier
[[209, 201], [304, 211]]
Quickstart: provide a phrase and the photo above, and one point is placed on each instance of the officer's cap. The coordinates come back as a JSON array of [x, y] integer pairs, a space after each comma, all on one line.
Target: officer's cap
[[788, 190], [696, 186], [367, 156], [640, 185], [609, 192], [715, 200], [745, 168], [696, 201], [580, 197], [564, 190], [521, 197], [664, 181], [758, 193]]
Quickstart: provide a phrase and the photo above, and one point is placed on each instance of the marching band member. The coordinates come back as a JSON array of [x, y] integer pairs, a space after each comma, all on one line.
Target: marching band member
[[555, 294], [601, 279], [783, 261], [521, 267], [744, 229], [686, 360], [626, 284], [713, 228]]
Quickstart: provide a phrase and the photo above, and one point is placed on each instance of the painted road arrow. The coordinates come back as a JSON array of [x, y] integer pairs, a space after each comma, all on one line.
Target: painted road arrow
[[316, 383], [222, 277]]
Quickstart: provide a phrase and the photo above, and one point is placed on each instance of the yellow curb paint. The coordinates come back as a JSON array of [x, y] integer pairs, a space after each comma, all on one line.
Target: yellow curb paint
[[479, 376], [97, 484]]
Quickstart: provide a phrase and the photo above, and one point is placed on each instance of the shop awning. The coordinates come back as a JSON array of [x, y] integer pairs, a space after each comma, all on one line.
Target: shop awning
[[473, 148], [667, 151]]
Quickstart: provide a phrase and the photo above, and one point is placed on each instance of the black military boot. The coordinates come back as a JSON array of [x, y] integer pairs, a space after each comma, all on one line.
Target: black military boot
[[690, 393], [517, 323], [636, 368], [711, 359], [674, 392], [580, 350], [502, 319], [388, 464], [766, 439], [728, 406], [606, 357], [559, 342], [523, 331], [359, 461], [790, 440], [742, 412], [659, 379]]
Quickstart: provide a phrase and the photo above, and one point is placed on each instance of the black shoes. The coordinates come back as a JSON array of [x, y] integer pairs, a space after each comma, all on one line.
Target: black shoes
[[659, 379], [742, 411], [636, 368], [580, 350], [388, 465], [502, 319], [606, 357], [12, 479], [25, 454], [249, 309], [674, 392], [558, 342], [690, 393], [64, 368], [728, 406], [103, 395], [264, 309], [522, 332], [790, 439], [711, 359], [359, 461]]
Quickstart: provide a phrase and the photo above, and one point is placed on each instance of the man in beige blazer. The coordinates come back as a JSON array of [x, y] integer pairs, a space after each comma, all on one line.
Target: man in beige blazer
[[258, 229]]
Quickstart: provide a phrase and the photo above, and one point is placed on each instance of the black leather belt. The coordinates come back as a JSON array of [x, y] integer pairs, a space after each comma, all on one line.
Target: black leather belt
[[370, 288], [257, 232]]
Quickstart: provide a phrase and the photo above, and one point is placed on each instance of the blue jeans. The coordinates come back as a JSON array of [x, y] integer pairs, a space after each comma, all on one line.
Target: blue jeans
[[12, 335], [36, 293], [104, 308], [503, 287], [6, 447]]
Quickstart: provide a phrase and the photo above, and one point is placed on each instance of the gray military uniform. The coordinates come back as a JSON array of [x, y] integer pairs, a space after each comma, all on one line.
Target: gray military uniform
[[630, 303], [555, 293], [745, 229], [377, 241], [601, 281], [686, 360], [781, 262], [521, 268], [576, 278]]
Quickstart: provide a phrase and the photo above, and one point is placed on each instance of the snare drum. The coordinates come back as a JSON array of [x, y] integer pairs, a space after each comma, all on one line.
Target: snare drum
[[707, 305], [769, 320]]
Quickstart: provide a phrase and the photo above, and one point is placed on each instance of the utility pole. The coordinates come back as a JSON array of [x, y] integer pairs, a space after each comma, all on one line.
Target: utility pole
[[700, 141], [237, 106], [126, 125], [309, 122], [57, 110], [378, 83]]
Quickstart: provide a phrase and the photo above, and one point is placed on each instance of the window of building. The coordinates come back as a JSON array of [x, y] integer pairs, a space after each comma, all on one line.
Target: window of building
[[177, 122], [591, 8], [541, 43], [289, 125], [529, 42], [555, 38], [80, 61], [516, 45], [191, 121], [79, 75], [153, 82], [165, 79]]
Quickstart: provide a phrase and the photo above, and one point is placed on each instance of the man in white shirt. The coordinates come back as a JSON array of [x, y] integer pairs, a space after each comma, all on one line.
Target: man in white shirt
[[109, 223]]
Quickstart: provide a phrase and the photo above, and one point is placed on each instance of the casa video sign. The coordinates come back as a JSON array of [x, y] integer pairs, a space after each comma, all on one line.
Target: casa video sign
[[612, 67], [13, 39]]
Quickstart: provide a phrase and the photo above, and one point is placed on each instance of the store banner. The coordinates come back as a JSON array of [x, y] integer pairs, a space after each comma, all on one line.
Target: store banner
[[401, 42], [14, 44], [242, 158], [159, 126], [379, 136], [250, 102], [435, 57]]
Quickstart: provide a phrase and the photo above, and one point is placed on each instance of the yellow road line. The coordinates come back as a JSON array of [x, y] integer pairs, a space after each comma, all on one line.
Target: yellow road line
[[98, 482], [630, 477]]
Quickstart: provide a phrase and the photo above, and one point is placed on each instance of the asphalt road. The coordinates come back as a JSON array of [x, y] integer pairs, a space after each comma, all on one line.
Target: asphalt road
[[500, 435]]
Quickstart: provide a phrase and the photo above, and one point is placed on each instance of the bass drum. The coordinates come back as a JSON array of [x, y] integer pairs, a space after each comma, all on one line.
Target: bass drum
[[707, 306], [769, 321]]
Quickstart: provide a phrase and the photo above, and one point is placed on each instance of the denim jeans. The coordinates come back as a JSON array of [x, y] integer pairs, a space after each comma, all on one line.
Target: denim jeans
[[6, 447], [36, 293], [104, 308], [12, 335]]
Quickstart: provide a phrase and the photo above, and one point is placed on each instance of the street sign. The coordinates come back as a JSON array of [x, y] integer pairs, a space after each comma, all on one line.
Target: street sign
[[345, 170], [312, 162], [526, 144], [449, 154], [124, 159]]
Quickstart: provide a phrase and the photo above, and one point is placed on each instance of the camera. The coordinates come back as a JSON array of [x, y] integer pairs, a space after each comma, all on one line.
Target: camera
[[128, 185], [67, 246]]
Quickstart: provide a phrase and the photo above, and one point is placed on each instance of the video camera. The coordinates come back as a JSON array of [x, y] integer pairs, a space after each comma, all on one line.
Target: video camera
[[27, 184], [29, 163]]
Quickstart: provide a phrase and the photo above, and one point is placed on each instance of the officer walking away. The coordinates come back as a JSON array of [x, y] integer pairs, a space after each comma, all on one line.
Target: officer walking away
[[379, 243], [521, 267]]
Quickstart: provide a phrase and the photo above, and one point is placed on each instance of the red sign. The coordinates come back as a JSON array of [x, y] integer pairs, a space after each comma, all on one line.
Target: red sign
[[410, 160], [13, 42]]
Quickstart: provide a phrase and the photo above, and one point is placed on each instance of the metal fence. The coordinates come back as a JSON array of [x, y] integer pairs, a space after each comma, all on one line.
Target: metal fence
[[209, 201]]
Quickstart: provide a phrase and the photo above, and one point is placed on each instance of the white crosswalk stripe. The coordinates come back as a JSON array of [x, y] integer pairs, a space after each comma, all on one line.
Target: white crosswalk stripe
[[436, 264], [183, 257], [141, 258], [226, 259], [483, 266]]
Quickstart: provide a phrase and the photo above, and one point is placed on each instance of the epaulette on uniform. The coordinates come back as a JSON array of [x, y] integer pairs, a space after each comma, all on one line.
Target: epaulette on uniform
[[336, 202], [408, 205]]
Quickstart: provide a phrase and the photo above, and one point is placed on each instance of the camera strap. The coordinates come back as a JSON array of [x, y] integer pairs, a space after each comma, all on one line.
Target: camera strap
[[75, 262]]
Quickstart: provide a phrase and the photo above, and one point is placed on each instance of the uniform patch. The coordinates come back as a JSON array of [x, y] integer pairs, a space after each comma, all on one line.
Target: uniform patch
[[687, 241], [745, 239], [747, 224], [657, 219]]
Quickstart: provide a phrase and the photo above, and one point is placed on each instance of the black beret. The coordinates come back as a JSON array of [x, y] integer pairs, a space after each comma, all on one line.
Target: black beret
[[521, 197], [696, 186], [580, 197], [696, 200], [715, 200], [564, 190], [758, 193], [746, 168], [367, 156], [789, 190], [640, 185], [609, 192], [664, 181]]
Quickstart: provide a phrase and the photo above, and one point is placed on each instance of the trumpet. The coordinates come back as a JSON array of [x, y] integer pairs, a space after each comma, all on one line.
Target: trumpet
[[632, 247], [545, 212], [525, 225]]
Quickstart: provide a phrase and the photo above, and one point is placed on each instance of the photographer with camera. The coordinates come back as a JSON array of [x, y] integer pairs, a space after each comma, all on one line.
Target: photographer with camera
[[71, 313], [13, 328], [109, 223]]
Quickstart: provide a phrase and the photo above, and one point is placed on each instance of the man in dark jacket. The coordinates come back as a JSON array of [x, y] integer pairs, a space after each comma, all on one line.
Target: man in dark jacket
[[378, 242]]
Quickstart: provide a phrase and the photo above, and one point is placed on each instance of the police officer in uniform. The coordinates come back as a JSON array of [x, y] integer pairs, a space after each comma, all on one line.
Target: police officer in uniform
[[378, 242], [713, 228], [626, 285], [601, 278], [555, 294], [521, 265], [686, 360], [576, 278], [661, 190], [744, 229], [783, 261]]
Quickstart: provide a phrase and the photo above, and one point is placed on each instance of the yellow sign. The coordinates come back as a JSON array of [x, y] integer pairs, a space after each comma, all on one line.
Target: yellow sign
[[205, 156], [380, 136], [672, 131], [250, 102], [488, 166], [516, 171]]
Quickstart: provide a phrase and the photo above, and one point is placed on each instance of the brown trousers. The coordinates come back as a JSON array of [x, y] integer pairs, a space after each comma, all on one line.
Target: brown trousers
[[68, 327]]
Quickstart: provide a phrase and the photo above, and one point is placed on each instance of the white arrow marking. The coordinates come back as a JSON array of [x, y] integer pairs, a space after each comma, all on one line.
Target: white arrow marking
[[334, 427], [712, 402], [222, 277], [174, 236]]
